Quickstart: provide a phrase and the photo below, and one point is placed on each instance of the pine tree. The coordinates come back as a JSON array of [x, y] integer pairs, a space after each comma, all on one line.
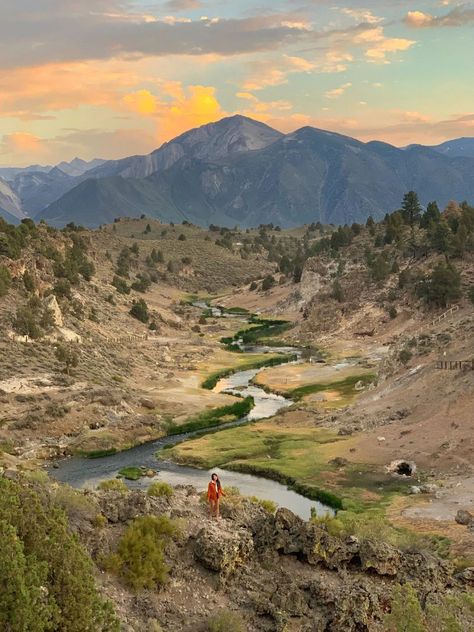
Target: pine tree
[[411, 208]]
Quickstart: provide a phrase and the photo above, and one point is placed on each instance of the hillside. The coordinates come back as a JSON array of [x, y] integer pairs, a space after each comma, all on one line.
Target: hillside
[[104, 345], [307, 176]]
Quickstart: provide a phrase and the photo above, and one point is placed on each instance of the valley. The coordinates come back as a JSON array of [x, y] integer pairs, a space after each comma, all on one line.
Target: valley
[[301, 364]]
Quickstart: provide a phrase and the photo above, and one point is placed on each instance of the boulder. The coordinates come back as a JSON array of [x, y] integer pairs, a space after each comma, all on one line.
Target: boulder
[[464, 517], [122, 507], [222, 551], [146, 402], [380, 557], [467, 576]]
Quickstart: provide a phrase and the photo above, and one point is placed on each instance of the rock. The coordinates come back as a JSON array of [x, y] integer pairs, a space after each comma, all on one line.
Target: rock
[[464, 517], [345, 431], [339, 461], [122, 507], [429, 488], [52, 305], [222, 551], [380, 557], [414, 489], [402, 467], [146, 402], [467, 576]]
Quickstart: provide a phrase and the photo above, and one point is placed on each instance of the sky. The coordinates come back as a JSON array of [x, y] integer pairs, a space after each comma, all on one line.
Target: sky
[[111, 78]]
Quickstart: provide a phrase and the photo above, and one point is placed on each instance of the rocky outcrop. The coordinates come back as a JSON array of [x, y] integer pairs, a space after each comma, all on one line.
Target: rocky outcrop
[[222, 551], [277, 569]]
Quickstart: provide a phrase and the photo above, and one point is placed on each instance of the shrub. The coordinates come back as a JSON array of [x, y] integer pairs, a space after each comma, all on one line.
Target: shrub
[[253, 286], [182, 237], [75, 503], [268, 282], [160, 488], [269, 506], [225, 621], [29, 282], [405, 356], [46, 576], [392, 311], [120, 285], [67, 355], [442, 286], [140, 553], [142, 283], [26, 321], [140, 311], [5, 280], [113, 484], [406, 614]]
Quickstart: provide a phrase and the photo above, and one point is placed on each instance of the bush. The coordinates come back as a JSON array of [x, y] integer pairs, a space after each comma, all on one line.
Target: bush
[[405, 356], [269, 506], [406, 614], [140, 311], [5, 280], [392, 311], [46, 576], [113, 484], [268, 282], [140, 553], [120, 285], [226, 621], [67, 355], [253, 286], [160, 488], [442, 287]]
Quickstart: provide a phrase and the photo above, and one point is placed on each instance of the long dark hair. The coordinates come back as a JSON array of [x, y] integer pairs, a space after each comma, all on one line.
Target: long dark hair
[[218, 483]]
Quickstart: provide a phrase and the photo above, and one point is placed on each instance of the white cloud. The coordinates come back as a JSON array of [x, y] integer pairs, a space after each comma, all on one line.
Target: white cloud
[[337, 92]]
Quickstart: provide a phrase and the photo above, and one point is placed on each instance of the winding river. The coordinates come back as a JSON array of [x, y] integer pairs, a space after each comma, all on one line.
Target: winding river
[[81, 472]]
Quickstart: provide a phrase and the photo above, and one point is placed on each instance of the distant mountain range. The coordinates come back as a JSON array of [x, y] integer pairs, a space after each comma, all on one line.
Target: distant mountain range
[[240, 171]]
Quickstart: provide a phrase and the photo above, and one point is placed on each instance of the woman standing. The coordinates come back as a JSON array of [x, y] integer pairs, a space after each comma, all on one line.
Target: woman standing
[[214, 492]]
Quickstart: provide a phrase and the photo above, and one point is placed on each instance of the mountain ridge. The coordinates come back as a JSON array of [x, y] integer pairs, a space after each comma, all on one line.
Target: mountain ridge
[[307, 175]]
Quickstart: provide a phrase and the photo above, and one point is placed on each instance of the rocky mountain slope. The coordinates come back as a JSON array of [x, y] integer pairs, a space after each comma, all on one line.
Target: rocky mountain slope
[[210, 176], [241, 171]]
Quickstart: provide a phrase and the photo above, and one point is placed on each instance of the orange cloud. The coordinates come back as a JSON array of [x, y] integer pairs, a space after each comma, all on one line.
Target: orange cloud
[[142, 102], [21, 142], [195, 106], [29, 93]]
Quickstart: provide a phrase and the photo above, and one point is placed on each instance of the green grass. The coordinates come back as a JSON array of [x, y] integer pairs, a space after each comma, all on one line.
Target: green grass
[[131, 473], [260, 330], [297, 456], [214, 417], [210, 382], [345, 386]]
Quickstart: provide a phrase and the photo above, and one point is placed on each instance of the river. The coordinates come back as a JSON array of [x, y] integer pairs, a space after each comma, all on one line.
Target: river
[[81, 472]]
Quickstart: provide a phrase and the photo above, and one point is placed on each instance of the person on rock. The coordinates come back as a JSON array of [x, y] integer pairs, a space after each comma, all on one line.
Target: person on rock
[[214, 492]]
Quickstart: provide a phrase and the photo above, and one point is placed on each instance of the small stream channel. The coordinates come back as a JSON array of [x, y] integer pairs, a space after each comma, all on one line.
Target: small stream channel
[[81, 472]]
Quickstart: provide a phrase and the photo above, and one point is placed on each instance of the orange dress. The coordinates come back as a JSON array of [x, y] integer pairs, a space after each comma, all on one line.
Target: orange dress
[[213, 492]]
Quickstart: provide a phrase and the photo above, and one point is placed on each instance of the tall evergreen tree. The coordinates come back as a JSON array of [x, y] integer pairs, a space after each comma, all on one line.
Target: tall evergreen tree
[[411, 208]]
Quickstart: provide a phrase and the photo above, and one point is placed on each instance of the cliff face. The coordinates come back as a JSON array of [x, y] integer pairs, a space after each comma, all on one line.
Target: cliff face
[[274, 570]]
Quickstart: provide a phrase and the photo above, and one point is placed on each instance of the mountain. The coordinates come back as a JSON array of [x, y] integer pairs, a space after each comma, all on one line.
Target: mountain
[[305, 176], [10, 204], [213, 141], [457, 147], [78, 167], [37, 189], [9, 173]]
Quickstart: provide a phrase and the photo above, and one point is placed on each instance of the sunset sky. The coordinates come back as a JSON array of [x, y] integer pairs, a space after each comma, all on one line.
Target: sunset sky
[[110, 78]]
